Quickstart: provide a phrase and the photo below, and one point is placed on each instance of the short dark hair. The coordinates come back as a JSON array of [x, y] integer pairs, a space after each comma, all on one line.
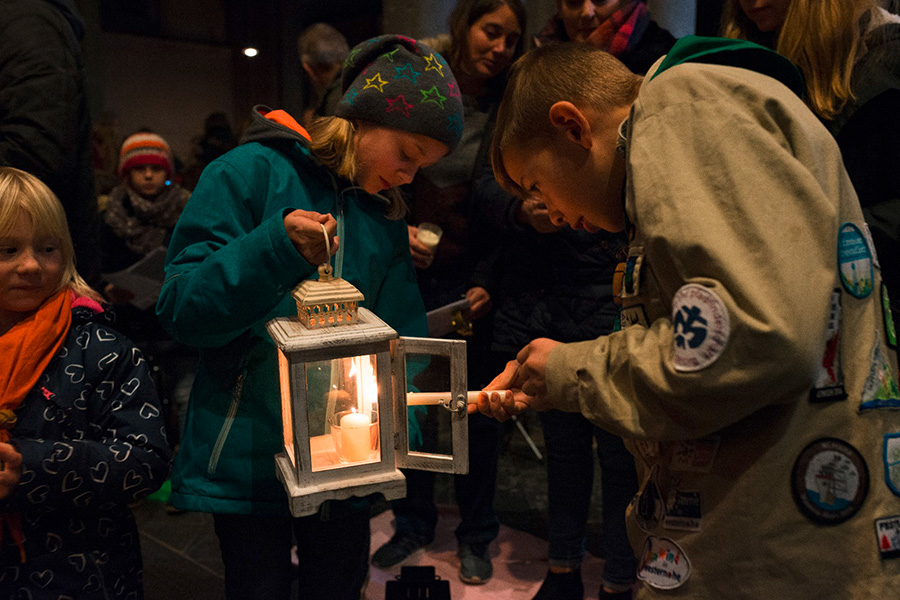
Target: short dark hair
[[569, 71]]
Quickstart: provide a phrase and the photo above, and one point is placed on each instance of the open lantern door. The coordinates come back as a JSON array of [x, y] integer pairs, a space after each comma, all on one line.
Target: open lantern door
[[345, 407]]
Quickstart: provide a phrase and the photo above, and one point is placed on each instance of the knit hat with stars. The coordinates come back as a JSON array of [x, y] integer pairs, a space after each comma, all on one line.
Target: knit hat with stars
[[398, 82]]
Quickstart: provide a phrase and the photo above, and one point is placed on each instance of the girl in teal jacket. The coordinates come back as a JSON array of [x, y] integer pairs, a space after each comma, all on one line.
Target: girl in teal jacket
[[250, 233]]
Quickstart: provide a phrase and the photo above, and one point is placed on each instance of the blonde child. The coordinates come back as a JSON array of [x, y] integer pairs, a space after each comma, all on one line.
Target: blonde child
[[754, 373], [251, 232], [81, 434]]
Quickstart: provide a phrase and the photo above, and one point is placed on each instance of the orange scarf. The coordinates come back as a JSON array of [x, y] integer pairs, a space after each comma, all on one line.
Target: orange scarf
[[27, 349]]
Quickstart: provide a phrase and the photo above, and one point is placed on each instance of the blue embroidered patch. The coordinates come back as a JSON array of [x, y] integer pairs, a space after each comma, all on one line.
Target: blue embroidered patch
[[855, 261], [891, 456], [631, 282]]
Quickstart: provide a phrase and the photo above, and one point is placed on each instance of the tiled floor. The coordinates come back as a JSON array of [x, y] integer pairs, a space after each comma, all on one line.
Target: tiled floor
[[181, 555]]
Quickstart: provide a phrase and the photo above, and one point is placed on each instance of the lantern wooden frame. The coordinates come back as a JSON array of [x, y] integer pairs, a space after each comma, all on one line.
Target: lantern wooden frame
[[298, 346]]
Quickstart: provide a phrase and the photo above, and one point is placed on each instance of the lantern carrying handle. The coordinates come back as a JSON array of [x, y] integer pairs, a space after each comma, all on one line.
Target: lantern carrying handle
[[325, 269]]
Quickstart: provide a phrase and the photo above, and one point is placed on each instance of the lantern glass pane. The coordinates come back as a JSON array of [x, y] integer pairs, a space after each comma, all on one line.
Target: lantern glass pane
[[343, 415], [430, 423], [287, 416]]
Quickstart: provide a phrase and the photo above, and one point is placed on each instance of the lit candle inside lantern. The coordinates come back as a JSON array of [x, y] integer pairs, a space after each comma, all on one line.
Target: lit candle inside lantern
[[356, 441]]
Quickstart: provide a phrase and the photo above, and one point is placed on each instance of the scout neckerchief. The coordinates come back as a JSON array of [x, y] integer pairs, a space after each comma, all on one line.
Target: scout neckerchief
[[27, 349], [733, 53]]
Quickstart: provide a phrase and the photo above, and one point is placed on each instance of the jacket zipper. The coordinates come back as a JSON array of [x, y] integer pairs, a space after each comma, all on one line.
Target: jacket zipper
[[226, 427]]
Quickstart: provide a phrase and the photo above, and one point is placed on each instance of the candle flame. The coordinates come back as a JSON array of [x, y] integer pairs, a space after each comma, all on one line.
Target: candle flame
[[363, 370]]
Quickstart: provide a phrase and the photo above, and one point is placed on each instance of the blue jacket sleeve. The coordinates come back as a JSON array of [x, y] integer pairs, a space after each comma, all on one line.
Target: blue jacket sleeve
[[230, 261]]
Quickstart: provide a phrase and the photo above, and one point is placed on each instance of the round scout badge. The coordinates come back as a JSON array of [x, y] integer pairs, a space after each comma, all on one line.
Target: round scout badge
[[664, 565], [701, 327], [855, 261], [829, 481]]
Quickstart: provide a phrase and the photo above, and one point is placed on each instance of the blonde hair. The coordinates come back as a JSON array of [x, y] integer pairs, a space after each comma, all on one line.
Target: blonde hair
[[821, 37], [334, 145], [21, 192], [573, 72]]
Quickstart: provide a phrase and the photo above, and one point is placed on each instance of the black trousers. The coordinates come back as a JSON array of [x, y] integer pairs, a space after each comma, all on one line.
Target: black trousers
[[334, 555]]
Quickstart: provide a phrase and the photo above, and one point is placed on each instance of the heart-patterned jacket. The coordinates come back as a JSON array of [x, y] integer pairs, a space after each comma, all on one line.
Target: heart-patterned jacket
[[92, 441]]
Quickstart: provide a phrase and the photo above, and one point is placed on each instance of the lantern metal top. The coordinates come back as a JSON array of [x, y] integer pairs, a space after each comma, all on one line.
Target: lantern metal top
[[292, 335], [328, 301]]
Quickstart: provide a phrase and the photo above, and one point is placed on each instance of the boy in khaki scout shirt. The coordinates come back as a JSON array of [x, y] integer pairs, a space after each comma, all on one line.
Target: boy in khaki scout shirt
[[755, 373]]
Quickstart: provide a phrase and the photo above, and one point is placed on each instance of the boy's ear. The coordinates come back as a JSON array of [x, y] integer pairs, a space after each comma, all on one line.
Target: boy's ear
[[568, 118]]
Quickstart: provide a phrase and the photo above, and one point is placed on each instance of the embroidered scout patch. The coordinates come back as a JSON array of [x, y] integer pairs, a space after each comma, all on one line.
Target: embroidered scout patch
[[633, 315], [880, 389], [889, 331], [871, 242], [887, 535], [683, 510], [829, 481], [695, 456], [855, 261], [631, 280], [647, 506], [829, 380], [701, 327], [891, 456], [664, 565]]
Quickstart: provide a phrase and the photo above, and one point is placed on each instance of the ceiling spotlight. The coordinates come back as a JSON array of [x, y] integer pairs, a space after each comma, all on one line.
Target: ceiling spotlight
[[250, 51]]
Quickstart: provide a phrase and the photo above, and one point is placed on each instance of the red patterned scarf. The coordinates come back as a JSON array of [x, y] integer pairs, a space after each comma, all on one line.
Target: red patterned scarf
[[615, 34]]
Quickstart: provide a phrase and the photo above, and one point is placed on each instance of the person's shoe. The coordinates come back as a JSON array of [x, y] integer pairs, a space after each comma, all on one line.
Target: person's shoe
[[395, 551], [561, 586], [623, 595], [474, 564]]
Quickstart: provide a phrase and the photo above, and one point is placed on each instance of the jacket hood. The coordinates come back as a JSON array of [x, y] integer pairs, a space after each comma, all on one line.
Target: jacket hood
[[267, 125]]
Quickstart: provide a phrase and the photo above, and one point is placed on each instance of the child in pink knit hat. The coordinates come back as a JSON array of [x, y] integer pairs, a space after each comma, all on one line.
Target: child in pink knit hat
[[145, 163], [140, 214]]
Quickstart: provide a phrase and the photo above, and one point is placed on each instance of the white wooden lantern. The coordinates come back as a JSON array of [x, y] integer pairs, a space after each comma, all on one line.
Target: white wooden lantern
[[344, 402]]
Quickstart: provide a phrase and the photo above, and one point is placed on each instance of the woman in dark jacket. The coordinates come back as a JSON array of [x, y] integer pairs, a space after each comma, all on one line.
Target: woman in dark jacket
[[459, 194]]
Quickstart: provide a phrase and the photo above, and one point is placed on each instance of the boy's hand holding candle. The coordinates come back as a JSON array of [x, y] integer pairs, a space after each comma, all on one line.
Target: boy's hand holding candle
[[525, 380]]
